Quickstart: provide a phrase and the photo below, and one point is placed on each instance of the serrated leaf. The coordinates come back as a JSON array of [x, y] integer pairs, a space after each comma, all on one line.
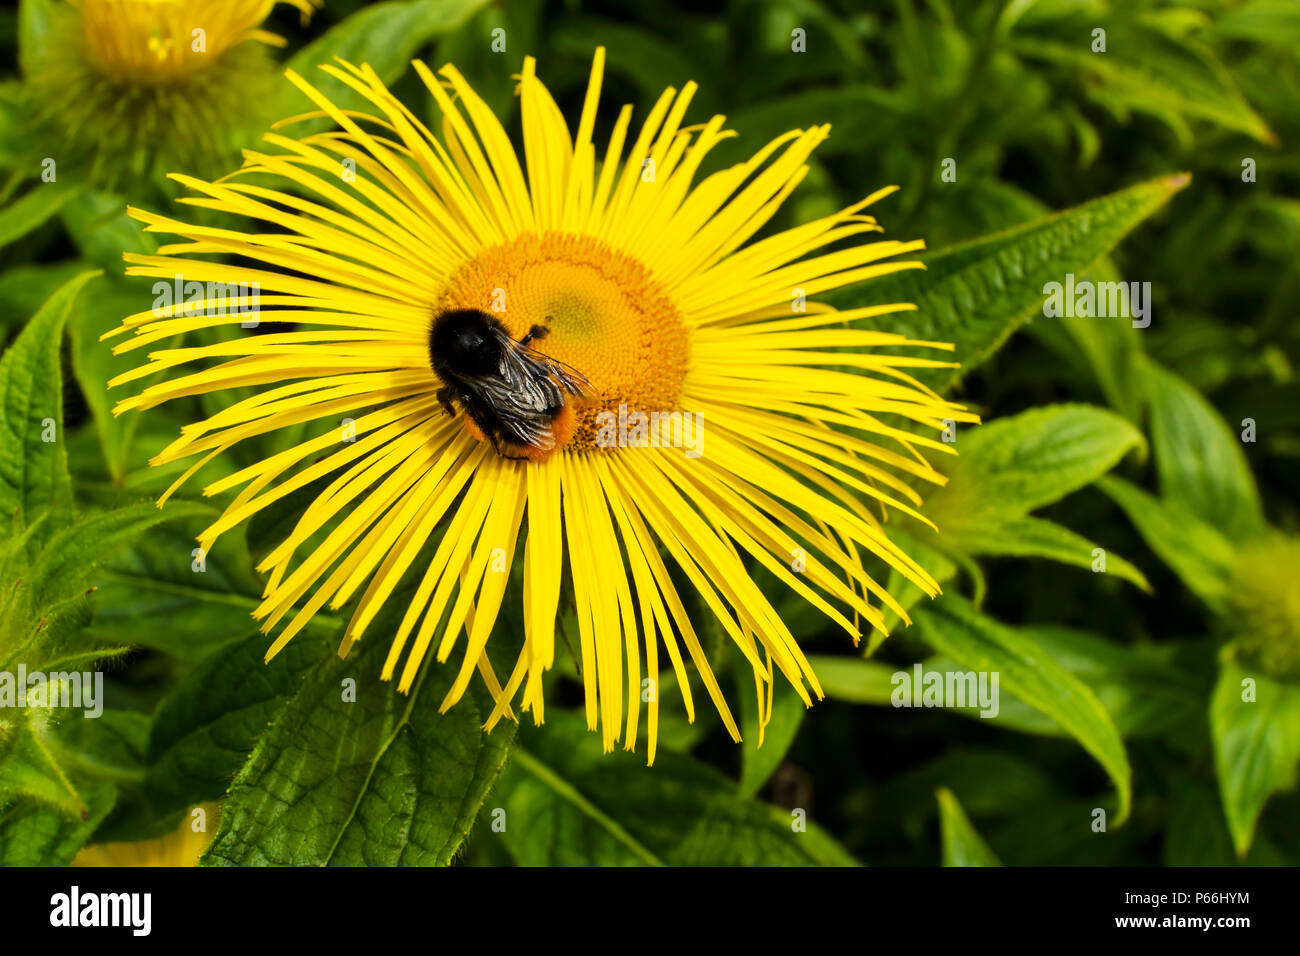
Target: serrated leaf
[[962, 844], [1201, 557], [981, 644], [150, 594], [567, 804], [72, 554], [29, 769], [385, 780], [34, 834], [1256, 744], [975, 294], [210, 723], [1200, 461], [33, 472]]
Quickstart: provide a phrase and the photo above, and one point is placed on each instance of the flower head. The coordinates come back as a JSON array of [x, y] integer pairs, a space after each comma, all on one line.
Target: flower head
[[151, 84], [646, 279], [1265, 605], [166, 41]]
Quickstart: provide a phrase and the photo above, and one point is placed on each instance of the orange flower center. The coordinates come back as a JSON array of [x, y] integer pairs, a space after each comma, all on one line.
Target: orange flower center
[[607, 317]]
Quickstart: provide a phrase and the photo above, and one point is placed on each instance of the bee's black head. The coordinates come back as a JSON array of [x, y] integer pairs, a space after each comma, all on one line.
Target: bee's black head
[[464, 342]]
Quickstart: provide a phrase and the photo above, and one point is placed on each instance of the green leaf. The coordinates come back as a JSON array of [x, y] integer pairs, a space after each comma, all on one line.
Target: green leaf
[[1274, 22], [1156, 74], [1109, 344], [759, 761], [1030, 537], [94, 365], [1014, 465], [33, 472], [13, 109], [386, 36], [34, 834], [36, 207], [925, 550], [111, 747], [29, 769], [1256, 744], [33, 30], [210, 723], [384, 780], [1024, 669], [151, 594], [853, 679], [1143, 690], [1201, 557], [99, 225], [962, 844], [1200, 461], [568, 804], [51, 569], [975, 294], [74, 552]]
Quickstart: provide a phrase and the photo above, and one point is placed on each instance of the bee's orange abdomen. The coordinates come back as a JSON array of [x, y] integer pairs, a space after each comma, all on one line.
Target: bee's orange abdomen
[[562, 428]]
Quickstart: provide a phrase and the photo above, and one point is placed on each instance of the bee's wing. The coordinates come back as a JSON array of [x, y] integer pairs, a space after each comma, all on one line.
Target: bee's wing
[[570, 379]]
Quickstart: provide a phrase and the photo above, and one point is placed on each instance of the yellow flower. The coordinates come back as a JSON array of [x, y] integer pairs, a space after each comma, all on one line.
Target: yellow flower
[[1265, 605], [130, 87], [652, 286], [161, 41]]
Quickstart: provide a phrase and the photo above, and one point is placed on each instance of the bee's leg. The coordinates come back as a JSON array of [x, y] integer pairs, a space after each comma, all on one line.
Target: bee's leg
[[536, 332], [444, 396]]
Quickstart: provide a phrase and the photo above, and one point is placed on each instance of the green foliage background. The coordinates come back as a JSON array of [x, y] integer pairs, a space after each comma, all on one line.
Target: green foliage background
[[1121, 691]]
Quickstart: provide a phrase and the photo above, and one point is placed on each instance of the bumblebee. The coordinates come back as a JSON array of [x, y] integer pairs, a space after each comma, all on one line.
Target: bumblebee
[[513, 395]]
